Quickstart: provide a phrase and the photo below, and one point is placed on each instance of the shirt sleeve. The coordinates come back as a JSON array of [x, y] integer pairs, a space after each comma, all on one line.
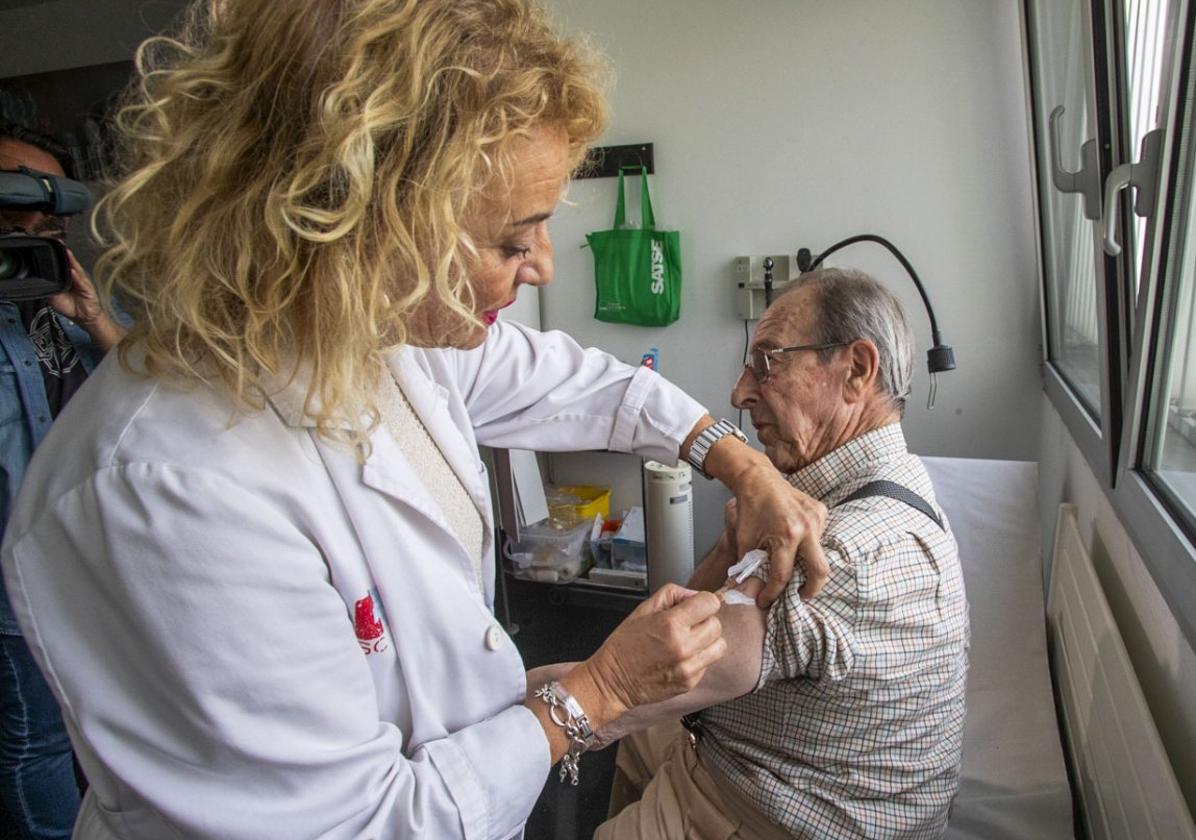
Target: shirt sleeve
[[203, 658], [526, 389], [812, 638]]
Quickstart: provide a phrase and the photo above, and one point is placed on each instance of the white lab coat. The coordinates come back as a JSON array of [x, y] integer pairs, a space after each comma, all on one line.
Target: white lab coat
[[252, 635]]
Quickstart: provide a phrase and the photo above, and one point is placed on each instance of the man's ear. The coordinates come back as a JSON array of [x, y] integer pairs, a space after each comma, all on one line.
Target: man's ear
[[863, 369]]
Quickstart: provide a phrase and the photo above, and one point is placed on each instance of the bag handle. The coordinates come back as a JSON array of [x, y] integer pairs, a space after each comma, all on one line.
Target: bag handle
[[647, 217]]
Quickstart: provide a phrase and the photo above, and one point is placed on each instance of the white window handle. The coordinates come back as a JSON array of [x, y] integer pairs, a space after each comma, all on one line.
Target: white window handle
[[1143, 176], [1117, 181], [1086, 179]]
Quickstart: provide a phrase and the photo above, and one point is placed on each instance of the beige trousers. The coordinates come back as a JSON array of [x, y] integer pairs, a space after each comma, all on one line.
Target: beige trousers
[[663, 791]]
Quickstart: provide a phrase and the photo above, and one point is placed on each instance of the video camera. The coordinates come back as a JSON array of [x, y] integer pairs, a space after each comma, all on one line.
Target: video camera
[[33, 267]]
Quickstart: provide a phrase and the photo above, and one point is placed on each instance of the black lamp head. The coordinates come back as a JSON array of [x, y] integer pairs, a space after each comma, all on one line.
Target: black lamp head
[[940, 358]]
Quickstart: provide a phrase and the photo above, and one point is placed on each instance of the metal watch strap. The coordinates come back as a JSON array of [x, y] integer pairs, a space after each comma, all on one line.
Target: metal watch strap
[[706, 440]]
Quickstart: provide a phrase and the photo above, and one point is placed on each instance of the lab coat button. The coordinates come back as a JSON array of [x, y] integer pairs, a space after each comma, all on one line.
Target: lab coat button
[[494, 637]]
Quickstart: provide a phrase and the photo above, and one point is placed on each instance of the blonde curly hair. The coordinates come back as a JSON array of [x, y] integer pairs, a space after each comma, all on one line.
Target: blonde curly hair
[[298, 173]]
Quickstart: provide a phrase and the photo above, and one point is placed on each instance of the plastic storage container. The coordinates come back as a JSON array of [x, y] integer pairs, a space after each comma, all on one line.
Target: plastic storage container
[[548, 555], [578, 501]]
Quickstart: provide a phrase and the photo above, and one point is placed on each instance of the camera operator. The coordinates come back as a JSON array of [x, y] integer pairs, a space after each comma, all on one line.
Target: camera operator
[[50, 345]]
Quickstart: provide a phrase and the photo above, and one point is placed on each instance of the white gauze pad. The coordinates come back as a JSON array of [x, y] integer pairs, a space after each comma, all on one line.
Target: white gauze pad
[[750, 562]]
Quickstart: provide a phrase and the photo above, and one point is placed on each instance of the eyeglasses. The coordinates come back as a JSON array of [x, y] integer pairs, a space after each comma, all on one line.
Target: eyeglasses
[[760, 361]]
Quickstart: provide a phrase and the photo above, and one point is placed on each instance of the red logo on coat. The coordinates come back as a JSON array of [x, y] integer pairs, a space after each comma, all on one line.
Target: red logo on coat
[[368, 621]]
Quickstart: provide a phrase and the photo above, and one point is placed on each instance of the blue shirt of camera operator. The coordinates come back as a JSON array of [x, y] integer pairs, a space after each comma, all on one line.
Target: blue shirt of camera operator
[[25, 409], [49, 346]]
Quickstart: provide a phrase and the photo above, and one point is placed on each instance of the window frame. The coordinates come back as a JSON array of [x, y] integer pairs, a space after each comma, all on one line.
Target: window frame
[[1163, 534], [1131, 336], [1098, 441]]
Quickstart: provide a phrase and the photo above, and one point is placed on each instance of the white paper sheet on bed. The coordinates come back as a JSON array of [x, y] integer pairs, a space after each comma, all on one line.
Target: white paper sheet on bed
[[1014, 783]]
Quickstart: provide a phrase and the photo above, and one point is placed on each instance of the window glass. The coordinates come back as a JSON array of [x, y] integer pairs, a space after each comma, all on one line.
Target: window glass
[[1171, 449], [1060, 41], [1145, 24]]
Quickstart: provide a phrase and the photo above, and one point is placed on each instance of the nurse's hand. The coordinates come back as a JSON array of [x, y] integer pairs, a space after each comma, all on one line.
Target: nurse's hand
[[659, 651], [770, 513]]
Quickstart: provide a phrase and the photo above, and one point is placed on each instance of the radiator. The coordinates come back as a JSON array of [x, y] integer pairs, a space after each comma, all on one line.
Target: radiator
[[1125, 784]]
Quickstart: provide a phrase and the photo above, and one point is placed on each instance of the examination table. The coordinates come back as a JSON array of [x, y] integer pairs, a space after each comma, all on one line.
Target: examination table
[[1014, 782]]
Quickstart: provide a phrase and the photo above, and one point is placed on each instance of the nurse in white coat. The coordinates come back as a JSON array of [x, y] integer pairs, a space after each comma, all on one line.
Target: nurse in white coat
[[254, 557]]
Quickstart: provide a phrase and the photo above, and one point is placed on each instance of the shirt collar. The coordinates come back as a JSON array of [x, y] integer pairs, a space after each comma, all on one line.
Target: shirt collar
[[287, 391], [859, 455]]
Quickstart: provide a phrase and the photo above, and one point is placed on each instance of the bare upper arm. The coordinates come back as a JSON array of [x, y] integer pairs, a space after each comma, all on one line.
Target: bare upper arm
[[736, 674], [739, 670]]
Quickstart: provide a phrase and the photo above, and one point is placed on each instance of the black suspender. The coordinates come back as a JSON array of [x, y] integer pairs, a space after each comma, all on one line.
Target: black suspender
[[901, 493]]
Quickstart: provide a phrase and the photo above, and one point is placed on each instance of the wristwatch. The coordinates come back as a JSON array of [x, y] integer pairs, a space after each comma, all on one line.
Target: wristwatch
[[706, 439]]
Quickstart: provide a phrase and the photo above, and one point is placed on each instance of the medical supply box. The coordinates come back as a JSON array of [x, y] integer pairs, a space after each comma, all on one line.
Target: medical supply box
[[546, 554]]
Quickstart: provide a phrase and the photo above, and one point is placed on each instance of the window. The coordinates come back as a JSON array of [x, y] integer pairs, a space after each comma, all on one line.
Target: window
[[1121, 326], [1144, 27], [1169, 456], [1061, 61]]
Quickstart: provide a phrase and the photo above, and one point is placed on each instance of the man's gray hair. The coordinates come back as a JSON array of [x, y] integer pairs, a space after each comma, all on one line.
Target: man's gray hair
[[852, 305]]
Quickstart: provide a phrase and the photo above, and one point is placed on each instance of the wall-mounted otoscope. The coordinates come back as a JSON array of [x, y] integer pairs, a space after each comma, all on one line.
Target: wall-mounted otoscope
[[940, 357]]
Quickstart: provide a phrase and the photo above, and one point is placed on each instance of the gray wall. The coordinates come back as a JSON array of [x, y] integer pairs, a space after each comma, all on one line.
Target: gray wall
[[45, 36], [788, 123]]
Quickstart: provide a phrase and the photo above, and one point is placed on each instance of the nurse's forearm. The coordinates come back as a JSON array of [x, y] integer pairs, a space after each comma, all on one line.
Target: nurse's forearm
[[599, 707], [730, 459], [536, 677], [732, 676]]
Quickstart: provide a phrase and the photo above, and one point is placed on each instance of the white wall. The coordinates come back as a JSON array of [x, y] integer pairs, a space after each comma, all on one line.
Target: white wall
[[1164, 661], [778, 124], [788, 123]]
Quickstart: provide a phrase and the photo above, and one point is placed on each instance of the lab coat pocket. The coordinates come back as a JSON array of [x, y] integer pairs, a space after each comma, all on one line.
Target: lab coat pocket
[[97, 822]]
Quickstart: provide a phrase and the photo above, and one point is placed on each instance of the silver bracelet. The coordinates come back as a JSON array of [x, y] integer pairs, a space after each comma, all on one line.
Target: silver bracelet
[[566, 712]]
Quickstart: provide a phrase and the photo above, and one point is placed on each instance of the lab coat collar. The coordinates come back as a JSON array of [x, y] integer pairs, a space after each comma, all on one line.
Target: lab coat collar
[[429, 400], [286, 391], [385, 469]]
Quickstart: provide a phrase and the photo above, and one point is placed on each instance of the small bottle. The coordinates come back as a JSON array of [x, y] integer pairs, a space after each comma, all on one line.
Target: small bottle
[[651, 359]]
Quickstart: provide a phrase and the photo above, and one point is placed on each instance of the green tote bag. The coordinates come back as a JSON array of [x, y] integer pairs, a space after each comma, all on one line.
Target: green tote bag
[[637, 271]]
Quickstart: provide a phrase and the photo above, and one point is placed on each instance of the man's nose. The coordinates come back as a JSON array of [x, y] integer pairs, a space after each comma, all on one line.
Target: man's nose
[[746, 392]]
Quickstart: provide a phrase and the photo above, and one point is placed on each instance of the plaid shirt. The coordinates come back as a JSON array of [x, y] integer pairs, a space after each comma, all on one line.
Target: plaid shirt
[[855, 727]]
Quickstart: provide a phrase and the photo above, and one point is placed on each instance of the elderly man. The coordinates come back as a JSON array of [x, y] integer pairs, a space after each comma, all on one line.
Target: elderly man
[[839, 716]]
